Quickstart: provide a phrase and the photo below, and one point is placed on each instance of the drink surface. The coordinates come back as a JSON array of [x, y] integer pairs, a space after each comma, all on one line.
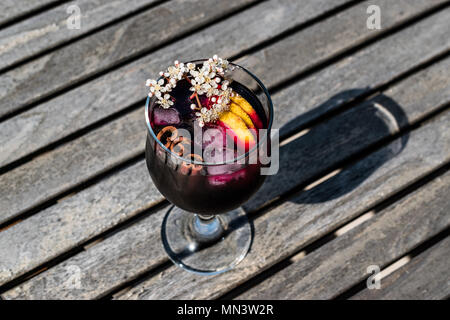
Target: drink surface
[[211, 187]]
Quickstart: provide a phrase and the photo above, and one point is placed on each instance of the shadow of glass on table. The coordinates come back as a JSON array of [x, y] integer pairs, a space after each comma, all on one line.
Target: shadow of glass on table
[[326, 146], [331, 144]]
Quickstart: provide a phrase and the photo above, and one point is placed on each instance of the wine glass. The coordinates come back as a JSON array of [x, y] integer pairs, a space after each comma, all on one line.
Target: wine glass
[[206, 231]]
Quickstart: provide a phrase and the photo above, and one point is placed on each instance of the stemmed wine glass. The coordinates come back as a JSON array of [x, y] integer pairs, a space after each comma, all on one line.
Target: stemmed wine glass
[[205, 231]]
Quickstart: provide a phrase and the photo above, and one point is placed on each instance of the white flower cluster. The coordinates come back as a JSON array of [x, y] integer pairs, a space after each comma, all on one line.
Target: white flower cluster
[[160, 88], [207, 80], [221, 104]]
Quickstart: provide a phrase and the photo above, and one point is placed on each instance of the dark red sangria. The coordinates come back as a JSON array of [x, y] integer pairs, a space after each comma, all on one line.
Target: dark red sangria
[[222, 184], [208, 129]]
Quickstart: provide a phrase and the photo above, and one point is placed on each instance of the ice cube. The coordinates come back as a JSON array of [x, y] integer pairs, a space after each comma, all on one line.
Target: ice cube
[[211, 136], [216, 155], [162, 117], [222, 179], [214, 137]]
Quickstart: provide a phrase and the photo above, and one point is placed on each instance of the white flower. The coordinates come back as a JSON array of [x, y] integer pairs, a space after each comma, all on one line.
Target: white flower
[[224, 85], [179, 65], [174, 73], [225, 96], [200, 76], [197, 87], [210, 90], [205, 79], [165, 101], [210, 84], [157, 87], [190, 66], [216, 65]]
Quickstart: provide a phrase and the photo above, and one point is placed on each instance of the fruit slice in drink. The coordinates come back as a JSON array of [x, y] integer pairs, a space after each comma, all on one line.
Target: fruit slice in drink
[[246, 106], [237, 110], [237, 129]]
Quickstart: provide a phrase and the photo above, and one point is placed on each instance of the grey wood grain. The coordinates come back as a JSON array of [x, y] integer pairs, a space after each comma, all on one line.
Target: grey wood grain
[[425, 277], [100, 274], [45, 257], [114, 91], [19, 140], [343, 262], [13, 9], [24, 187], [309, 215], [40, 119], [332, 36], [56, 171], [76, 219], [49, 29], [402, 167], [75, 162], [61, 68]]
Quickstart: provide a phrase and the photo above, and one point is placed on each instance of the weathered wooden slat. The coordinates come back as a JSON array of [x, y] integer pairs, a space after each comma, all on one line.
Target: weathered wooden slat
[[106, 48], [56, 171], [61, 68], [406, 111], [22, 189], [95, 100], [343, 262], [415, 94], [408, 167], [145, 252], [331, 36], [33, 120], [310, 215], [49, 29], [13, 9], [425, 277], [76, 219]]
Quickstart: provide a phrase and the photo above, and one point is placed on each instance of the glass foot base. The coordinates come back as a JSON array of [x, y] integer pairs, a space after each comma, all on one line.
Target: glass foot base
[[206, 245]]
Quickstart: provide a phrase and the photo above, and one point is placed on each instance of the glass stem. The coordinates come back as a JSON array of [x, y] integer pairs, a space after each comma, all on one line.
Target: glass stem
[[207, 227]]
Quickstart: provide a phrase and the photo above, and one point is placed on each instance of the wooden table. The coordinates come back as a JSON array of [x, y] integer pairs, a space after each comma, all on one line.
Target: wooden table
[[364, 122]]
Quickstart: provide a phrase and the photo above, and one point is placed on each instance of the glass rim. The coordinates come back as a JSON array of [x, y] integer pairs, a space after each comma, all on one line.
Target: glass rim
[[234, 160]]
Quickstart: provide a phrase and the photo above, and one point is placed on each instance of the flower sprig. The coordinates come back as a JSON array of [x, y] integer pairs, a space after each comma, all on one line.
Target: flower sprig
[[208, 79], [220, 102]]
